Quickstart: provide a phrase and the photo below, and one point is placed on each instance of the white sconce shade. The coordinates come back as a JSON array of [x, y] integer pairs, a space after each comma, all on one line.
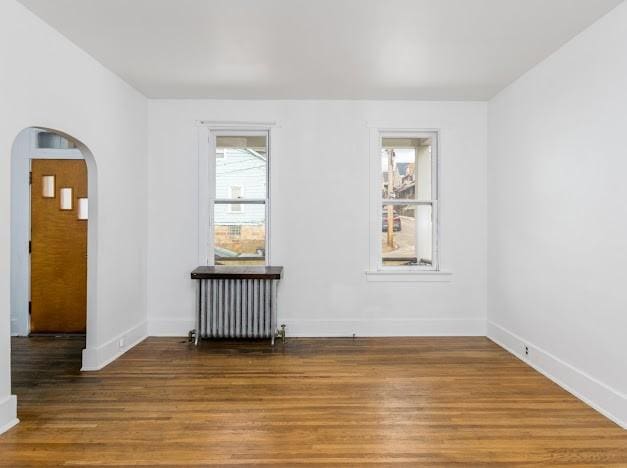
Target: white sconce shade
[[66, 198], [83, 208], [47, 186]]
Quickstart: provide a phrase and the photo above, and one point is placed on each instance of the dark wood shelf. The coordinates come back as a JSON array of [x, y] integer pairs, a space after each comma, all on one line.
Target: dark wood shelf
[[237, 272]]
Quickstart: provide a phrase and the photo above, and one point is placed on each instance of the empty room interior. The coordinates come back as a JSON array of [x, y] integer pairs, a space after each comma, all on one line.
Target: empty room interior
[[313, 233]]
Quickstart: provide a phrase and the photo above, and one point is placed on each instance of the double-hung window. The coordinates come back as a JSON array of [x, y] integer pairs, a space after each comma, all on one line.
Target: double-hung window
[[406, 217], [238, 197]]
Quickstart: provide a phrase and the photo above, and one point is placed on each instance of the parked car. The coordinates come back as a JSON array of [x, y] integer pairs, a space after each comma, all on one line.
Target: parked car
[[397, 222]]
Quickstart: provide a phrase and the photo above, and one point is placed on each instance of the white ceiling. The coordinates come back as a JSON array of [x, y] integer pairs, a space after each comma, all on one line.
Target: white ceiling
[[326, 49]]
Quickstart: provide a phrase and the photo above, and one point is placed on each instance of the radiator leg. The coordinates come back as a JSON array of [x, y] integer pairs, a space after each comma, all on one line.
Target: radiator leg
[[199, 312], [273, 310]]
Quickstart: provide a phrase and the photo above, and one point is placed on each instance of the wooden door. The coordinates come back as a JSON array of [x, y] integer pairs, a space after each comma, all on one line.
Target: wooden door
[[58, 247]]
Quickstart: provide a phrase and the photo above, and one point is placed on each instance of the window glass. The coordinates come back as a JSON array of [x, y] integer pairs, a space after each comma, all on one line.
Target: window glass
[[242, 162], [50, 140], [408, 209], [239, 207], [406, 169], [406, 235], [240, 239]]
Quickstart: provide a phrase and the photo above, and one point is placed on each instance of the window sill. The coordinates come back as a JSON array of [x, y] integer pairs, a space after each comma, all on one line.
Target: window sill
[[409, 276]]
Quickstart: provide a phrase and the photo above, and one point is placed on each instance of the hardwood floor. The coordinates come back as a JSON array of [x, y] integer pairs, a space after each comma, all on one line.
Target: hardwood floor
[[333, 402]]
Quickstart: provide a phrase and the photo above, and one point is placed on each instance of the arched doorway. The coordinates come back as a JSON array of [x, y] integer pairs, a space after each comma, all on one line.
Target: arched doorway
[[53, 210]]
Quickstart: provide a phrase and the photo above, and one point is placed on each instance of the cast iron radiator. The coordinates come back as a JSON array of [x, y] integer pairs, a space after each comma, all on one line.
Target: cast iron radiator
[[236, 302]]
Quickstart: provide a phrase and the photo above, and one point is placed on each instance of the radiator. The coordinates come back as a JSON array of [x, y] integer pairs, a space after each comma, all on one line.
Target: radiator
[[237, 308]]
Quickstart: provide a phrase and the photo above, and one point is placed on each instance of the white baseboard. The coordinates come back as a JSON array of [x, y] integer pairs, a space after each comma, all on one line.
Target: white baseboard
[[383, 328], [97, 358], [8, 413], [17, 329], [342, 328], [606, 400]]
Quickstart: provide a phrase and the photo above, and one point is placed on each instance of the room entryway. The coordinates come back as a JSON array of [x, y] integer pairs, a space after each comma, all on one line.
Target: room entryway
[[52, 237]]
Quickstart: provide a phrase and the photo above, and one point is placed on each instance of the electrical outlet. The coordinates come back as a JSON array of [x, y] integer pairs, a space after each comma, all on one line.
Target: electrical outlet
[[526, 350], [121, 343]]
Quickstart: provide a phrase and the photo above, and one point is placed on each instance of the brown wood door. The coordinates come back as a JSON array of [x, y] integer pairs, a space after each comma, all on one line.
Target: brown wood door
[[58, 247]]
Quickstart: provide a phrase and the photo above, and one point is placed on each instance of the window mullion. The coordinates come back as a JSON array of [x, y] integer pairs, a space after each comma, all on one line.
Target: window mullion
[[396, 201], [242, 201]]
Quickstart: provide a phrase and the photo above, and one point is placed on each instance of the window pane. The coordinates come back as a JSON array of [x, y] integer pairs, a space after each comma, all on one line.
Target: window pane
[[49, 140], [241, 164], [406, 235], [406, 168], [240, 237]]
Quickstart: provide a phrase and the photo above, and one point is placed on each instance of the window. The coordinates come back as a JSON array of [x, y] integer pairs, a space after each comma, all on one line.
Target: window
[[238, 196], [235, 231], [406, 201], [50, 140]]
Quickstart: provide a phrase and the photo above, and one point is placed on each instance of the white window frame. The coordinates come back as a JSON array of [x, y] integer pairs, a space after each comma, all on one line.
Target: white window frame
[[376, 204], [207, 133]]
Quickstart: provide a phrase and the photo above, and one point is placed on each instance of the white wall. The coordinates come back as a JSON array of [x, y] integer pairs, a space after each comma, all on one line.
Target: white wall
[[320, 216], [558, 215], [46, 81]]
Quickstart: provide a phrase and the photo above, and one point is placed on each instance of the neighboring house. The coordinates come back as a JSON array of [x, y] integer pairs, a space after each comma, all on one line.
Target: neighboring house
[[405, 185]]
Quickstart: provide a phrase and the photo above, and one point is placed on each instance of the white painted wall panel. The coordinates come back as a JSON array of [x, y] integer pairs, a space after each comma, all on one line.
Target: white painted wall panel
[[47, 81], [557, 211], [320, 215]]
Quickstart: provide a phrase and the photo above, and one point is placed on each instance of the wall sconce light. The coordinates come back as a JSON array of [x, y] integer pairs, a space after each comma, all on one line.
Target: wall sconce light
[[83, 208], [65, 198], [47, 186]]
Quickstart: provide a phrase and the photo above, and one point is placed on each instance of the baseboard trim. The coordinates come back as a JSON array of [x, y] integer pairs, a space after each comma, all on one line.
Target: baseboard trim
[[383, 328], [16, 329], [8, 413], [346, 328], [96, 358], [606, 400]]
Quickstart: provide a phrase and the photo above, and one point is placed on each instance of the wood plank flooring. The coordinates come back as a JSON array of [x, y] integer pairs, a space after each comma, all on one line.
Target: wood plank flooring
[[311, 402]]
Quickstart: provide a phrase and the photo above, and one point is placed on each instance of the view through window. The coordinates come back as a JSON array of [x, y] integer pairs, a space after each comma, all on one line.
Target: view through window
[[239, 216], [408, 201]]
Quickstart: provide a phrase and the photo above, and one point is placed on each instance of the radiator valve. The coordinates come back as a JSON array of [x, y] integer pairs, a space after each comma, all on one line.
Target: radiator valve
[[281, 333]]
